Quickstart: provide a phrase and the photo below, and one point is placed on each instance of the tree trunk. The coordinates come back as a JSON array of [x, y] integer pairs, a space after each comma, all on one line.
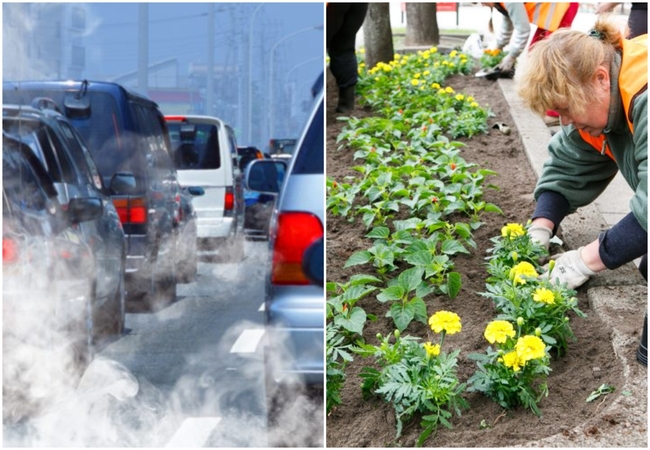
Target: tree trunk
[[378, 35], [421, 24]]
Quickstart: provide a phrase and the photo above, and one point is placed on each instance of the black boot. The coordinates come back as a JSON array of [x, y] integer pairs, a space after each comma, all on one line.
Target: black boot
[[642, 351], [346, 99]]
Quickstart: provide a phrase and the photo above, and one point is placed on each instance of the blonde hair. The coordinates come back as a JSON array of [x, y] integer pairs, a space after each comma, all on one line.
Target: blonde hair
[[560, 69]]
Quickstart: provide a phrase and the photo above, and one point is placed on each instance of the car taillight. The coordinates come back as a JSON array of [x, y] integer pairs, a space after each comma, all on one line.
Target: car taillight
[[229, 199], [131, 210], [9, 250], [295, 231]]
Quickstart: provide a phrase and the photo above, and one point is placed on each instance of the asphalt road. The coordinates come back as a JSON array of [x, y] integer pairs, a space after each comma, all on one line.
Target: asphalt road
[[190, 375]]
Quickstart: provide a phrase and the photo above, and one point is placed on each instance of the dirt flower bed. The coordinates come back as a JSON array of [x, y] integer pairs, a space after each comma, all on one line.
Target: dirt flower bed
[[359, 422]]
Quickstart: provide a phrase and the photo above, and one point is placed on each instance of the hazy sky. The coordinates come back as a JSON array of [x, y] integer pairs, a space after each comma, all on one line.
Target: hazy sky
[[181, 30]]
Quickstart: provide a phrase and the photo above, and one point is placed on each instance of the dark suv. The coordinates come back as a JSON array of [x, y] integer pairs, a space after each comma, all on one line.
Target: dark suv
[[127, 136]]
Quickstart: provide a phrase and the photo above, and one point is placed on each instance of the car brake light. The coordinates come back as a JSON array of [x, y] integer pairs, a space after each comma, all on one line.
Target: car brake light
[[9, 251], [131, 210], [229, 199], [295, 232]]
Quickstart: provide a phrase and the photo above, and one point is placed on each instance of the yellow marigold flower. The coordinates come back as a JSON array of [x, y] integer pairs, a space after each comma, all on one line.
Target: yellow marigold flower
[[521, 270], [376, 78], [512, 360], [530, 347], [445, 63], [442, 91], [512, 230], [426, 54], [415, 82], [435, 85], [470, 98], [544, 295], [436, 64], [387, 68], [459, 97], [451, 64], [499, 331], [417, 75], [445, 321], [426, 72], [453, 54], [362, 50], [449, 90], [362, 64], [421, 88], [432, 349], [397, 56], [433, 49], [474, 105]]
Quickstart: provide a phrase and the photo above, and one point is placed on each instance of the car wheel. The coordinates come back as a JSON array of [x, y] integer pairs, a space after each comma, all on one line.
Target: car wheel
[[83, 345], [117, 316], [189, 266]]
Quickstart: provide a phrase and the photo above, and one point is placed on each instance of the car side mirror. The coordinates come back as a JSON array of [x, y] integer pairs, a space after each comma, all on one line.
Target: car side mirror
[[123, 183], [196, 191], [84, 209], [313, 265], [265, 175]]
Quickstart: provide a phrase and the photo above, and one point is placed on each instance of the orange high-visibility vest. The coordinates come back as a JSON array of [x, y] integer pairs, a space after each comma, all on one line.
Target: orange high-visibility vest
[[546, 15], [632, 80]]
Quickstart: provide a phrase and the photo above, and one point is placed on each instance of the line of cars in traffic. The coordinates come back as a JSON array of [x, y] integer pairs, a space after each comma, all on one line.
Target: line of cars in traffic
[[98, 217]]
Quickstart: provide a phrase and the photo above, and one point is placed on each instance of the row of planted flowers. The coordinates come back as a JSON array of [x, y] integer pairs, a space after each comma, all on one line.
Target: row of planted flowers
[[421, 202]]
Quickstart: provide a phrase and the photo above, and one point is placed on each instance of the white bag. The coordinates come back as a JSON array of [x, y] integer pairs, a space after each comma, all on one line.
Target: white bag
[[473, 46]]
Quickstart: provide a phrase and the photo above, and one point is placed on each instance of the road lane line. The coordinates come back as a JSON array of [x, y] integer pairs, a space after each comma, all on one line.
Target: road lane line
[[247, 341], [193, 432]]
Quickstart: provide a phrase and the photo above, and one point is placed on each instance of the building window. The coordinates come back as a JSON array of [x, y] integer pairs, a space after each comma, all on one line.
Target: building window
[[78, 18]]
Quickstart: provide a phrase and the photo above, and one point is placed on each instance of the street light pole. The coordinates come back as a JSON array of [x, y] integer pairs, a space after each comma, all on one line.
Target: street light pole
[[250, 74], [288, 36], [286, 79]]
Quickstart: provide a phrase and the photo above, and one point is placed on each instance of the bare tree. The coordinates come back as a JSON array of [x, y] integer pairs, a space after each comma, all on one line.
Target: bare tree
[[378, 35], [421, 24]]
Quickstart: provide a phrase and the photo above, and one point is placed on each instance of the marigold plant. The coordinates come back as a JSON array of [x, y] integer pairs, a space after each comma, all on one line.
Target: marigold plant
[[417, 378], [514, 373]]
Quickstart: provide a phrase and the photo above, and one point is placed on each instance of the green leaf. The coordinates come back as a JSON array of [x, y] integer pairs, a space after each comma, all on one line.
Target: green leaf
[[491, 207], [357, 258], [354, 323], [363, 279], [454, 284], [419, 310], [402, 314], [391, 293], [410, 278], [379, 232], [453, 247]]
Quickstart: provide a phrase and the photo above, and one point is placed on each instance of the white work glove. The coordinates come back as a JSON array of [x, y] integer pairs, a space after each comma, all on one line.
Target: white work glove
[[506, 64], [540, 235], [570, 269]]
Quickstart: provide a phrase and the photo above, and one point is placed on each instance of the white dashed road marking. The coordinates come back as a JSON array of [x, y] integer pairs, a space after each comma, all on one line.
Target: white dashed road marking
[[247, 341], [193, 432]]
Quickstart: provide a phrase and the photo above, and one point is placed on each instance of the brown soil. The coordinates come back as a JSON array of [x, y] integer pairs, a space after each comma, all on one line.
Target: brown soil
[[588, 363]]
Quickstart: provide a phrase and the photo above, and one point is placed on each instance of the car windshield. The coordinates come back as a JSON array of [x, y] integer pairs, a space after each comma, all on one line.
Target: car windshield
[[201, 153], [310, 157]]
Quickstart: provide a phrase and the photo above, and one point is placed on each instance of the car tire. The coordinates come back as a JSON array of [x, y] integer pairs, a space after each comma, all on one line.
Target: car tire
[[189, 267], [83, 346], [116, 320]]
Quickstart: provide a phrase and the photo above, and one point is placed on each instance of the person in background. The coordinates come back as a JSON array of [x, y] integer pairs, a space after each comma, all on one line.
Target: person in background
[[343, 22], [597, 81], [637, 21], [515, 30]]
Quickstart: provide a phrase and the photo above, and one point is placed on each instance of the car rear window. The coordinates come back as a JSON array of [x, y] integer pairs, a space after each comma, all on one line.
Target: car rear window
[[311, 155], [205, 144], [102, 130]]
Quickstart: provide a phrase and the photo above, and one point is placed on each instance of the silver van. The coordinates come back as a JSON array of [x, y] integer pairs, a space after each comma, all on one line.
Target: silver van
[[205, 154]]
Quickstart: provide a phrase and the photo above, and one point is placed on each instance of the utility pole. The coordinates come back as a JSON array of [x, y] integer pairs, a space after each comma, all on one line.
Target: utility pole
[[143, 48], [209, 70]]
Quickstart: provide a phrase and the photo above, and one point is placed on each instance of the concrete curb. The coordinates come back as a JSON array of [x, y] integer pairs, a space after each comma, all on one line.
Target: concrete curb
[[619, 297]]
